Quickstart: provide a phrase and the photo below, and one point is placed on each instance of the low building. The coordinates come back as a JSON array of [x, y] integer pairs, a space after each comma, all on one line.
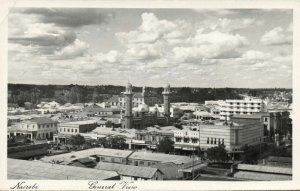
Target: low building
[[150, 137], [36, 170], [67, 129], [144, 158], [99, 154], [27, 151], [35, 128], [128, 172], [12, 106], [95, 110]]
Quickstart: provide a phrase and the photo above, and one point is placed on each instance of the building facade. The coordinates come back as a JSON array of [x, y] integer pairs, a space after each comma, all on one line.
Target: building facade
[[246, 106], [233, 136], [36, 128]]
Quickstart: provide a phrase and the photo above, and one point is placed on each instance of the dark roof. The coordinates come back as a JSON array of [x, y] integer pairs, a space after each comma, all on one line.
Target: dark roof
[[85, 160], [42, 120]]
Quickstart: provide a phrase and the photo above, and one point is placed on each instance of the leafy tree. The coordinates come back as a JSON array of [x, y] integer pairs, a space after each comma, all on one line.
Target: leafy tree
[[165, 145], [109, 124], [77, 140], [103, 142], [217, 154], [251, 154], [95, 96], [117, 142]]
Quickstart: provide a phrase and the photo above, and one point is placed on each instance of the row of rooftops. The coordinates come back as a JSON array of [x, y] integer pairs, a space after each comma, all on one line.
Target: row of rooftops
[[37, 170], [131, 155]]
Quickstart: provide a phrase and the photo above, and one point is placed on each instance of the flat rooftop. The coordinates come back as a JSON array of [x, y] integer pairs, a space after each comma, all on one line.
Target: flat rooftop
[[36, 170], [79, 122], [159, 157]]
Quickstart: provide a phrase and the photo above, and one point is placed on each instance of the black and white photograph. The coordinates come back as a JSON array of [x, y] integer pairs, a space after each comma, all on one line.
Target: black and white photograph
[[149, 94]]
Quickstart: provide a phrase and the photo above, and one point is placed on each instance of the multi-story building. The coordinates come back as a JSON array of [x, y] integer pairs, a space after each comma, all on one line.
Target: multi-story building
[[35, 128], [246, 106], [206, 135], [274, 123], [67, 129]]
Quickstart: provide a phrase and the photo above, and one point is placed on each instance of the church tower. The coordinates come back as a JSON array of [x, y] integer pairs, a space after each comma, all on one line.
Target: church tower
[[128, 112], [166, 93]]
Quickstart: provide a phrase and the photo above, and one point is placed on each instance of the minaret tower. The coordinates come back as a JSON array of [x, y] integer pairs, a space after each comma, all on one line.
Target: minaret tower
[[128, 112], [166, 93]]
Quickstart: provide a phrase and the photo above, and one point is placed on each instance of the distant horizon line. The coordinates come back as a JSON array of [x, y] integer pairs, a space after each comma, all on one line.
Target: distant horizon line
[[150, 86]]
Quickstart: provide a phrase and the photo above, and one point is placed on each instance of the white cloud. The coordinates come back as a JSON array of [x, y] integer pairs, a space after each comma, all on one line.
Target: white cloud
[[255, 55], [211, 45], [276, 36], [77, 49]]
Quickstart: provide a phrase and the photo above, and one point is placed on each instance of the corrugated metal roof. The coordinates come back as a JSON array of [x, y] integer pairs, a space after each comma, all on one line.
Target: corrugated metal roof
[[128, 170], [177, 159], [269, 169], [69, 157], [22, 169], [42, 120], [261, 176]]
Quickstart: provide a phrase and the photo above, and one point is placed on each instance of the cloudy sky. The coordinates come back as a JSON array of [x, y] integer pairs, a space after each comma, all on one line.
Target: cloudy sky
[[185, 47]]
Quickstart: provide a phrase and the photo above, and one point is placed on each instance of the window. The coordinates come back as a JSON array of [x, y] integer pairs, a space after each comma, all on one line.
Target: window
[[207, 140], [177, 139], [68, 130], [129, 161], [112, 160], [64, 129], [102, 158], [142, 162], [215, 142], [266, 119], [123, 160], [186, 140], [76, 130], [72, 130], [219, 141], [223, 141], [194, 140], [211, 140]]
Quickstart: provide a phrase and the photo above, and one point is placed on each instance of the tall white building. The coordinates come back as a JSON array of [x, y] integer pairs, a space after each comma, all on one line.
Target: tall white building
[[245, 106], [232, 135]]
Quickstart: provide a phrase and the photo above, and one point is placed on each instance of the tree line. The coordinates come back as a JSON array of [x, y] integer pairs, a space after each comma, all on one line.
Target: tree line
[[21, 93]]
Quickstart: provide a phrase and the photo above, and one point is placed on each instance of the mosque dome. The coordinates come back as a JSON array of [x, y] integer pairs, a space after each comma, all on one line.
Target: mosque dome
[[144, 108], [167, 86], [129, 85]]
